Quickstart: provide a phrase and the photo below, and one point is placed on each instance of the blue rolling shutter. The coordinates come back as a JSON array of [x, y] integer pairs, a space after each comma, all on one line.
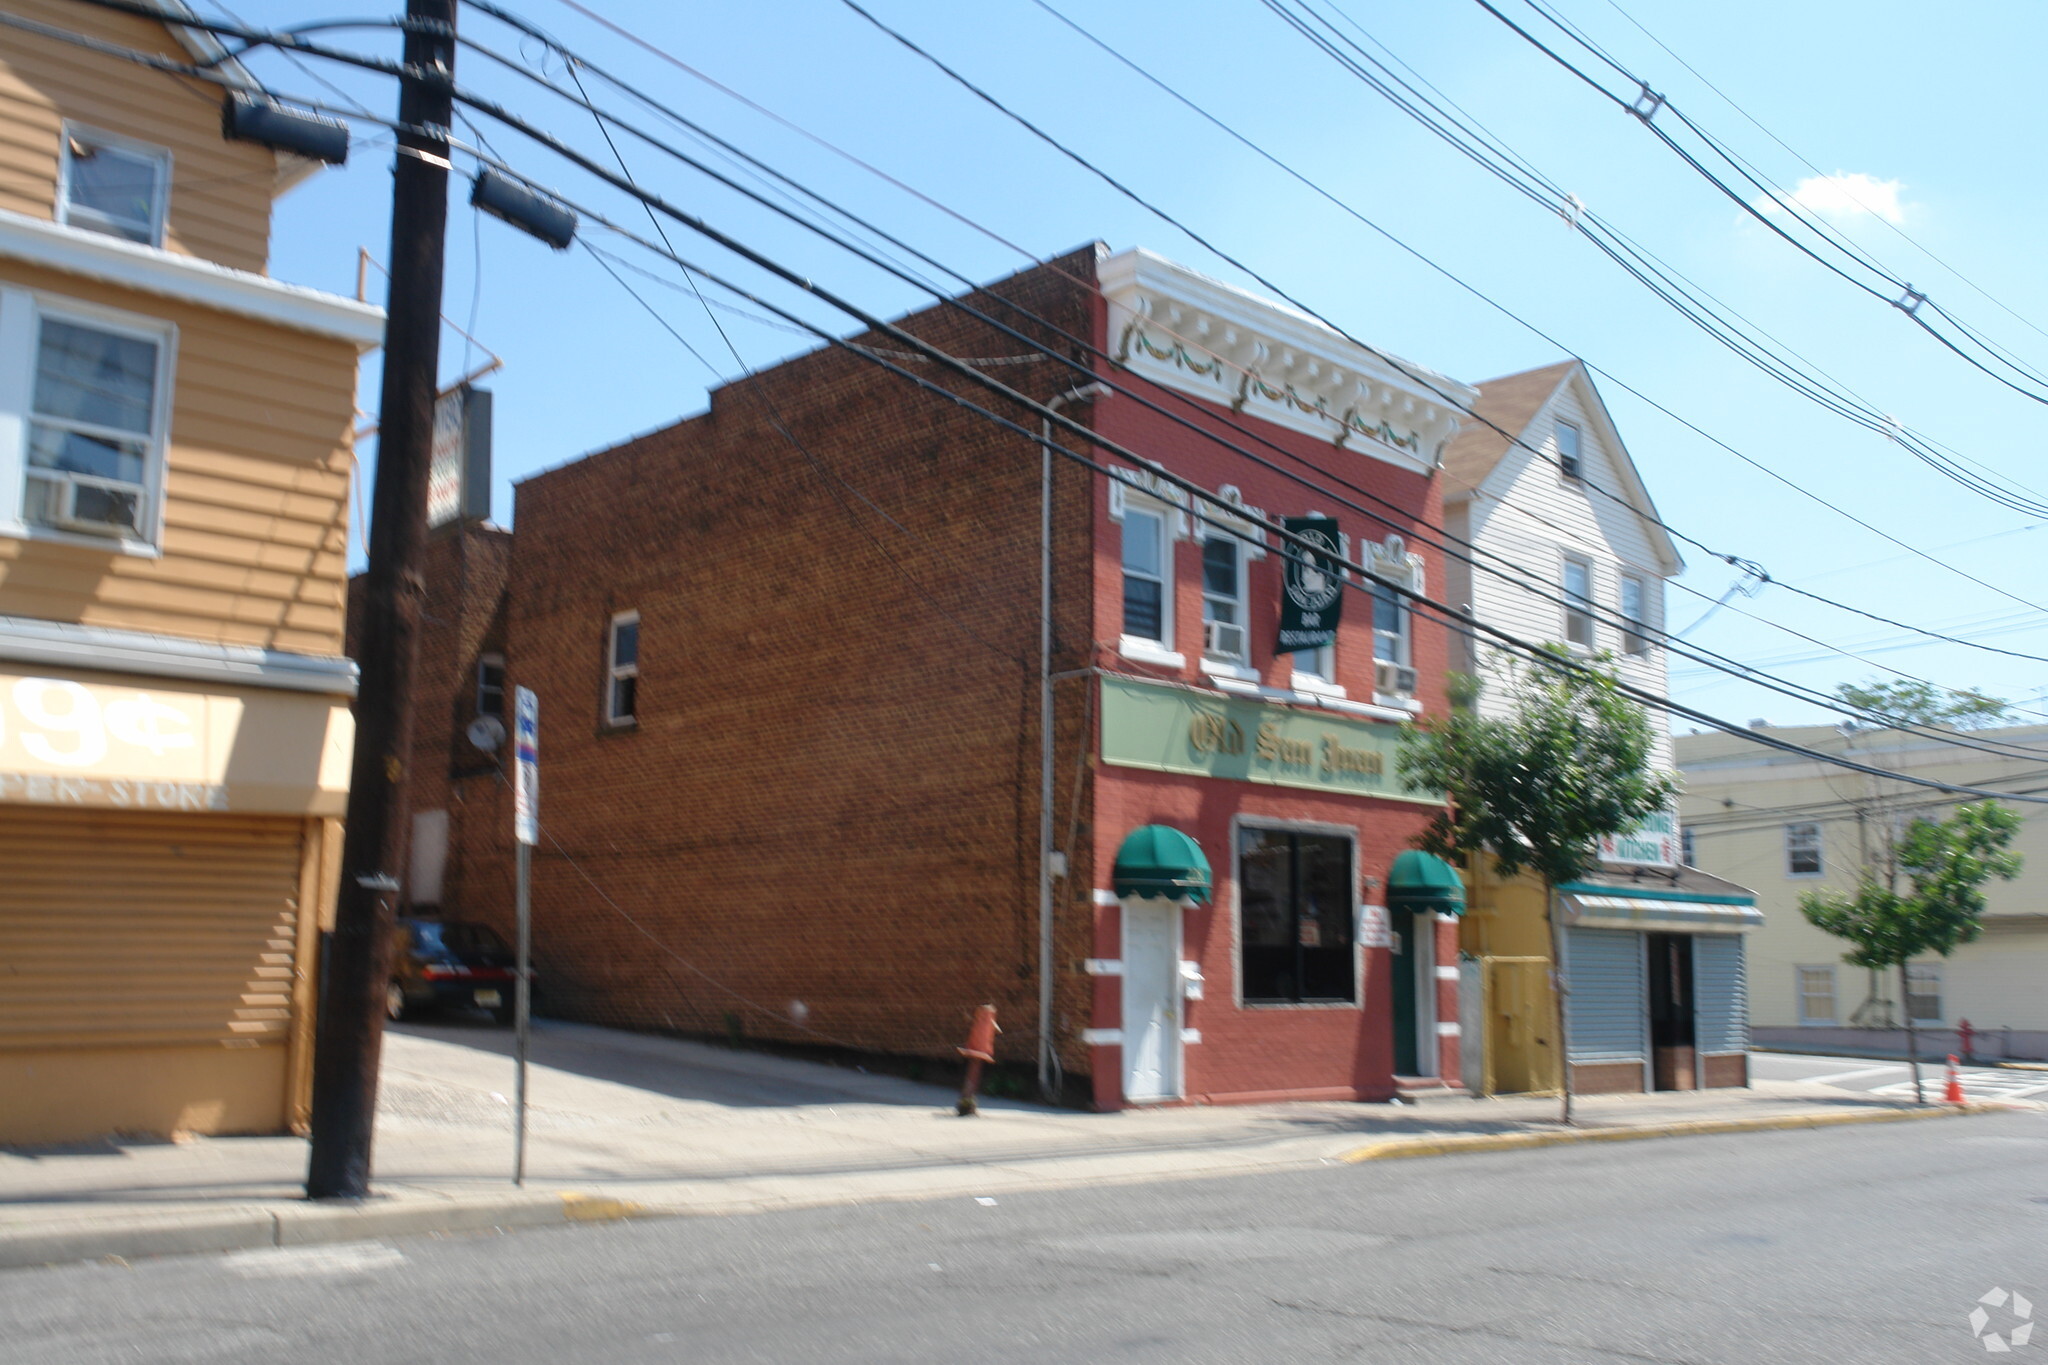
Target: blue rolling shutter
[[1609, 1019], [1720, 994]]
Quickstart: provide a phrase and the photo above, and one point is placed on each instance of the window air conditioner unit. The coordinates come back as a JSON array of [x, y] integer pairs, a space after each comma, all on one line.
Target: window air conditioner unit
[[1223, 639], [1393, 679], [95, 507]]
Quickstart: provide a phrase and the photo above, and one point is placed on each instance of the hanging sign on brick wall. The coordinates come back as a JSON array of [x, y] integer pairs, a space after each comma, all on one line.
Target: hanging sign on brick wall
[[1311, 587]]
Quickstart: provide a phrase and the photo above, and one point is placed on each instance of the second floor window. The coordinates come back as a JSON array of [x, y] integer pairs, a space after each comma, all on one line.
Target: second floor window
[[1223, 598], [1635, 616], [95, 427], [1389, 626], [1802, 850], [1578, 603], [622, 658], [1688, 846], [114, 186], [1145, 580], [490, 685]]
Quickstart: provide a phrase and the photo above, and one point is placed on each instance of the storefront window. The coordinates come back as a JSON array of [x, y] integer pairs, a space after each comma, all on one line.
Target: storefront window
[[1295, 904]]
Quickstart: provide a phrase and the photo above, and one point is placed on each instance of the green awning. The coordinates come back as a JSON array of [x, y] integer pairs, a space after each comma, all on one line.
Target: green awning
[[1159, 860], [1424, 883]]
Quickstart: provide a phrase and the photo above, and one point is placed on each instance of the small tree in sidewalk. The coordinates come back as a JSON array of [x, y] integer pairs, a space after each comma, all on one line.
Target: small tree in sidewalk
[[1537, 790], [1945, 863]]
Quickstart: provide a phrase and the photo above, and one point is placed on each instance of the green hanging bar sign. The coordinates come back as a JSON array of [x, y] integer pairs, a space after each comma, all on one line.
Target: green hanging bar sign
[[1311, 586]]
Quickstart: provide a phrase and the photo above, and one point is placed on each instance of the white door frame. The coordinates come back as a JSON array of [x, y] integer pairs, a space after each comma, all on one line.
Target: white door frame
[[1173, 1067]]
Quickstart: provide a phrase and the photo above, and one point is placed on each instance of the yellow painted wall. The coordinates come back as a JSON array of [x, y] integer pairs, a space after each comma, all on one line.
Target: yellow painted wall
[[219, 206], [63, 1094], [255, 498]]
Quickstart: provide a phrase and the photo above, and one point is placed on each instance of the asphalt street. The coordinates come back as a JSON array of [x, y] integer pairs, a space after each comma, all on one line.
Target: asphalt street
[[1871, 1244], [1894, 1080]]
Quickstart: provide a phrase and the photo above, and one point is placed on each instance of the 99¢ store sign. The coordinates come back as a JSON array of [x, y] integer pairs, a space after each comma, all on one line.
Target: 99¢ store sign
[[70, 743]]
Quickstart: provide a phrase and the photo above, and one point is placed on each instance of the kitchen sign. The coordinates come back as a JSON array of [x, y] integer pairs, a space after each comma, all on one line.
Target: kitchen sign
[[1653, 843]]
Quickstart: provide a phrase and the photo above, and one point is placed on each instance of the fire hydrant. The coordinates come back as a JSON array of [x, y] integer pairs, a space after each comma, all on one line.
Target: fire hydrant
[[1965, 1037], [979, 1051]]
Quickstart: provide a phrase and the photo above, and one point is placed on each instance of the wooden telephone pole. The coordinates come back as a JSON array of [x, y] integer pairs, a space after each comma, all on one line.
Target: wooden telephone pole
[[351, 1034]]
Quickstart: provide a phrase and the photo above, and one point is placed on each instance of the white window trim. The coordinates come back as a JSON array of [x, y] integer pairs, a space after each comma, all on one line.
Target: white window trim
[[1820, 848], [115, 142], [21, 315], [1557, 445], [613, 671], [1940, 994], [1640, 641], [1207, 532], [1173, 528], [1565, 564], [1799, 995], [1358, 948]]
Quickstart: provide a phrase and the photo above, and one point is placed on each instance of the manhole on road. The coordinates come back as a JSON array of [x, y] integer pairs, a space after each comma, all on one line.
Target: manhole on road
[[1210, 1246]]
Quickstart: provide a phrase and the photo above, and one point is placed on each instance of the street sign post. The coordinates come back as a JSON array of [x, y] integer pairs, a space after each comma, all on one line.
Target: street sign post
[[526, 829]]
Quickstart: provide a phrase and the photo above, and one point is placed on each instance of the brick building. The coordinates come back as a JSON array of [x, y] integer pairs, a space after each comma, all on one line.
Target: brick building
[[788, 660]]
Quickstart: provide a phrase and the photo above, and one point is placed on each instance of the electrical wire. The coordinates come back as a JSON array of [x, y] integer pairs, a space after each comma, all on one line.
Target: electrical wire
[[1366, 579]]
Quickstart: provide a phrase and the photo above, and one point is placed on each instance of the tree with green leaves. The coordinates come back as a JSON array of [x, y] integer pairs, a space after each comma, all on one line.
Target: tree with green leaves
[[1908, 701], [1945, 864], [1535, 791]]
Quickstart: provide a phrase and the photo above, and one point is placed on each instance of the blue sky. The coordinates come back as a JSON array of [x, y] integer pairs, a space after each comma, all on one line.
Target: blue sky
[[1941, 118]]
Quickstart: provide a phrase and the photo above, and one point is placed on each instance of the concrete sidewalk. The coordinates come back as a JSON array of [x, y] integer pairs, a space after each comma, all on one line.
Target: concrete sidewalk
[[626, 1125]]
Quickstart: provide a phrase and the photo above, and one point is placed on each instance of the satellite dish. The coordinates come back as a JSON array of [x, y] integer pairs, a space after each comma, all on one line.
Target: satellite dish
[[487, 733]]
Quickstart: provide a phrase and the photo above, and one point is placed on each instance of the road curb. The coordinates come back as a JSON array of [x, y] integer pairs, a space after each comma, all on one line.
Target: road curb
[[246, 1226], [1454, 1144]]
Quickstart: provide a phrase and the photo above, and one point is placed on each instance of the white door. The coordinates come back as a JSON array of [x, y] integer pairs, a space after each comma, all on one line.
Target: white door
[[1151, 1000]]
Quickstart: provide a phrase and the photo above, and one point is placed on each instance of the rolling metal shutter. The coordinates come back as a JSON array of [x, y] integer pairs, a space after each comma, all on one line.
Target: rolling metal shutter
[[1720, 994], [1609, 1018], [121, 929]]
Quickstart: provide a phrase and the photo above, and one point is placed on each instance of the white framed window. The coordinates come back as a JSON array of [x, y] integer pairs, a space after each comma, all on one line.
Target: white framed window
[[1802, 851], [1816, 994], [1688, 846], [1635, 614], [84, 421], [1923, 992], [622, 669], [1578, 602], [1148, 576], [490, 685], [1390, 621], [1225, 599], [1568, 451], [113, 185]]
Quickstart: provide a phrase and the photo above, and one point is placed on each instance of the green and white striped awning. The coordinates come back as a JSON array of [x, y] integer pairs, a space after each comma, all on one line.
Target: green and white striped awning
[[1661, 915]]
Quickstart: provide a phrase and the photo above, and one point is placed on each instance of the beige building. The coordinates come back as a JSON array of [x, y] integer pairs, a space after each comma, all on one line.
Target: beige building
[[1785, 825], [174, 728]]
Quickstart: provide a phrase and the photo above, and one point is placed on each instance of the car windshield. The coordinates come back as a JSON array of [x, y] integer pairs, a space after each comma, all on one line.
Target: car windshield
[[458, 940]]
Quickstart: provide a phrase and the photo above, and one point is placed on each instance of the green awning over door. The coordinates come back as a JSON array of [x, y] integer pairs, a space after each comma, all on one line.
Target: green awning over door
[[1424, 883], [1159, 860]]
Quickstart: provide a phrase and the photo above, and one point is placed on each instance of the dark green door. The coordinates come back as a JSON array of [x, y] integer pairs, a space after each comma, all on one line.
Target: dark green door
[[1406, 1060]]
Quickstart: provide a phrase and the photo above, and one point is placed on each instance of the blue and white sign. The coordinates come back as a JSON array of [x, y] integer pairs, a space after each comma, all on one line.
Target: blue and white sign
[[526, 766]]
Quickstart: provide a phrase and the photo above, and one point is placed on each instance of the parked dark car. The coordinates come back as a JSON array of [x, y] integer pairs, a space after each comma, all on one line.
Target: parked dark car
[[450, 964]]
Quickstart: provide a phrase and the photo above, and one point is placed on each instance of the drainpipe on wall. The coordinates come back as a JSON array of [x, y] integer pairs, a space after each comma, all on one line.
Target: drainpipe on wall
[[1086, 393]]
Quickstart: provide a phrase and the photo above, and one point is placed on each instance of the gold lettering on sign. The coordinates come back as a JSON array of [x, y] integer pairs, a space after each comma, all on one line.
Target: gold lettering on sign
[[1275, 747], [1215, 734], [1339, 761]]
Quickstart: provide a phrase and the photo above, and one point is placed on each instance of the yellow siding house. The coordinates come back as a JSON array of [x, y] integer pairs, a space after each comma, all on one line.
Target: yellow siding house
[[174, 724]]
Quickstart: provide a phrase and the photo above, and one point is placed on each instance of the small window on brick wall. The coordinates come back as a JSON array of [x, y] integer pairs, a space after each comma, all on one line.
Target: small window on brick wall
[[490, 685], [622, 683]]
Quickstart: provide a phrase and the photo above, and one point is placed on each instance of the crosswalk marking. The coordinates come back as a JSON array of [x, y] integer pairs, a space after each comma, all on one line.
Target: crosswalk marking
[[1835, 1077]]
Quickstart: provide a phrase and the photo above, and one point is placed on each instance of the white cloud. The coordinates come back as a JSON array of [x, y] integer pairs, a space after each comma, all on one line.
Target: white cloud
[[1842, 195]]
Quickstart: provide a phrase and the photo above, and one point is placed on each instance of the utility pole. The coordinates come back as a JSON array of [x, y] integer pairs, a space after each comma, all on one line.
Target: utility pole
[[351, 1033]]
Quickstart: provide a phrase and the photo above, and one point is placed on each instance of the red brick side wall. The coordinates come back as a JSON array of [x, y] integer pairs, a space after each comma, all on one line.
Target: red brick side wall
[[824, 825]]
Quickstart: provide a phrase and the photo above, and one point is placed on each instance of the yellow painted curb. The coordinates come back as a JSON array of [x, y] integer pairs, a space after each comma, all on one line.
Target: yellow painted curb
[[1452, 1144], [597, 1208]]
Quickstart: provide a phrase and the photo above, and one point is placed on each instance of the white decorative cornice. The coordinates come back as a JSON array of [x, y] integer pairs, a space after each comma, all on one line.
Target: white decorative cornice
[[188, 279], [1186, 331]]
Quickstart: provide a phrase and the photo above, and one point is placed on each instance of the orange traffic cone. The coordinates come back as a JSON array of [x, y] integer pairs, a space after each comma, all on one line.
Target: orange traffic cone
[[1953, 1093]]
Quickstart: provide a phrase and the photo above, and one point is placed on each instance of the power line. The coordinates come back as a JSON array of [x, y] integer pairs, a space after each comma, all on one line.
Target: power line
[[1366, 579]]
